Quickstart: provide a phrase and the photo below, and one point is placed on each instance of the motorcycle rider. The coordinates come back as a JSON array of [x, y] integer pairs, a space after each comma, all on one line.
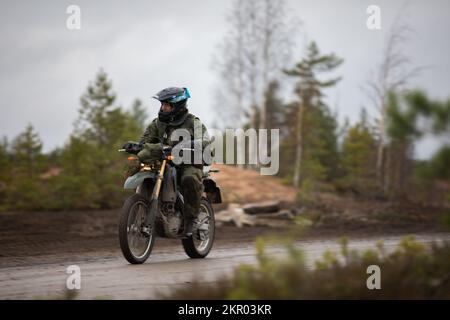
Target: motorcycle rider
[[173, 114]]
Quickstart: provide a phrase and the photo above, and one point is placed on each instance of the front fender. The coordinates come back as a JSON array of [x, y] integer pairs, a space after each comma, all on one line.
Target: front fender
[[212, 190], [136, 179]]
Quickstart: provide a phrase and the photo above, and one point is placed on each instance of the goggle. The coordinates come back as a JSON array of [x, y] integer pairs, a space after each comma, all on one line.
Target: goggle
[[184, 96]]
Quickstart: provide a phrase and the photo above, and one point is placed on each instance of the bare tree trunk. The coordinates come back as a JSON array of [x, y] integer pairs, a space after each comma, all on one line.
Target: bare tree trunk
[[276, 46], [387, 173], [379, 165], [405, 170], [393, 74], [380, 168], [241, 71], [267, 42], [254, 52], [299, 147]]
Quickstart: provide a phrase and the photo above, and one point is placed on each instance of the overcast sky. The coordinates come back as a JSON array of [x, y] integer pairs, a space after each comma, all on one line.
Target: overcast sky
[[145, 46]]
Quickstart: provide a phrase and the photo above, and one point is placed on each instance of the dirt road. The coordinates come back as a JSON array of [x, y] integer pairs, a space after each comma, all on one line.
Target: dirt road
[[106, 275], [37, 247]]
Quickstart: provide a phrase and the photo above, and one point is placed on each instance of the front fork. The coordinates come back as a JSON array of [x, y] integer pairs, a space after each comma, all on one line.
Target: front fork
[[159, 179], [150, 220]]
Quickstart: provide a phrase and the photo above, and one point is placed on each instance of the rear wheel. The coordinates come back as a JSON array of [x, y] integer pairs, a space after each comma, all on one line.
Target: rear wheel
[[199, 248], [136, 239]]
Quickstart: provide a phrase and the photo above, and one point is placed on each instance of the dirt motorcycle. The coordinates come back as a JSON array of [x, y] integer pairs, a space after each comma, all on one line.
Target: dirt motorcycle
[[156, 210]]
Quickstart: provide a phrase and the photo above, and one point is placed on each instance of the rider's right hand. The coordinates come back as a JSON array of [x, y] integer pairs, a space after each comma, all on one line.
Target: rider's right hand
[[132, 147]]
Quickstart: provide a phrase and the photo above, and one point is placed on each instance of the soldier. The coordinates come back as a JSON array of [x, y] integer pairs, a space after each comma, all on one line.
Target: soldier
[[173, 115]]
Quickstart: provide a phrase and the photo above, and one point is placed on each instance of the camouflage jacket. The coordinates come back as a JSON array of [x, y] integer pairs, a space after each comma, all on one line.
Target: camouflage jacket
[[160, 132]]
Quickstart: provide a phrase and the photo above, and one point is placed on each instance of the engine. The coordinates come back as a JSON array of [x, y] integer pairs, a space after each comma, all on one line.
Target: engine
[[172, 220]]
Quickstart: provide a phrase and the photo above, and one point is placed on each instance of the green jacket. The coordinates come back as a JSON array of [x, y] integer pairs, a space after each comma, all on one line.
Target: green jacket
[[160, 132]]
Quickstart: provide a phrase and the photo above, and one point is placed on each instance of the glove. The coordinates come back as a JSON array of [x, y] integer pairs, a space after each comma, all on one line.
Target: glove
[[150, 152], [132, 147]]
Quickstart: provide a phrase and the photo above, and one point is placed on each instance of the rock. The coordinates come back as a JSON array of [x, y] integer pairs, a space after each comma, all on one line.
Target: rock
[[262, 207], [234, 215]]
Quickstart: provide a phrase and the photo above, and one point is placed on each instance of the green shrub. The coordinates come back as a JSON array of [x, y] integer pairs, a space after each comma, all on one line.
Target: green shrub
[[412, 271]]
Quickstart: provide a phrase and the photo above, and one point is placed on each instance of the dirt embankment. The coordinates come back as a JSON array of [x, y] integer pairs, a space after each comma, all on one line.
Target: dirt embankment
[[242, 186], [326, 211]]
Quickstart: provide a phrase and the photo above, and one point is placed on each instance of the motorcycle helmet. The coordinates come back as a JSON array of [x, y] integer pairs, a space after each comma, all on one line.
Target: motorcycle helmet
[[177, 97]]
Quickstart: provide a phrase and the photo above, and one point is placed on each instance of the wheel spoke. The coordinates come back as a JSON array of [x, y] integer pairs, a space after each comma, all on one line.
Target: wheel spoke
[[205, 217], [137, 242]]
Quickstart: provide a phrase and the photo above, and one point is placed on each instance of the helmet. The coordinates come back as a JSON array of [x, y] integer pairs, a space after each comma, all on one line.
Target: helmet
[[177, 97], [172, 95]]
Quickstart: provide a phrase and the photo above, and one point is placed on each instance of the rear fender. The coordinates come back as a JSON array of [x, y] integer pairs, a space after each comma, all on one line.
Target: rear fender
[[212, 190]]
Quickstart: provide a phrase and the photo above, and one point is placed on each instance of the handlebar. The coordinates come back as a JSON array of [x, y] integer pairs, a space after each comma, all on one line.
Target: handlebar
[[165, 149]]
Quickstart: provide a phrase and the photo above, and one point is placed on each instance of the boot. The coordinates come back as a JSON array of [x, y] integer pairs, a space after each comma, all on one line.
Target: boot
[[190, 226]]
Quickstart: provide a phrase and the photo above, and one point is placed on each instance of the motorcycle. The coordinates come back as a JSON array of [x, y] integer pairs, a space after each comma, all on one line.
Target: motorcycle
[[156, 210]]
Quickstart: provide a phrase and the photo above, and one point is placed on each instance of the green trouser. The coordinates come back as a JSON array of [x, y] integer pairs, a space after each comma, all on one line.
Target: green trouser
[[191, 189]]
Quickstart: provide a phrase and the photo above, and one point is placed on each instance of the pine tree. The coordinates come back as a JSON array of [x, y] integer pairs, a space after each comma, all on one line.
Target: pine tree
[[5, 170], [309, 90], [358, 159], [92, 169], [24, 190], [27, 151], [273, 106], [138, 114], [404, 113]]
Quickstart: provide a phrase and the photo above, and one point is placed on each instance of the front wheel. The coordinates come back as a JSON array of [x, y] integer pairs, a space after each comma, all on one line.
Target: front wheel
[[136, 239], [199, 248]]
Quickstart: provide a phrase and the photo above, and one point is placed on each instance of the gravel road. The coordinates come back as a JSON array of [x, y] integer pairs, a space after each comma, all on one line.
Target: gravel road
[[107, 275]]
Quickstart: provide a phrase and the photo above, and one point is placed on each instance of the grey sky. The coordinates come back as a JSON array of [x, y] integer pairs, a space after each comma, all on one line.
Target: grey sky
[[147, 45]]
